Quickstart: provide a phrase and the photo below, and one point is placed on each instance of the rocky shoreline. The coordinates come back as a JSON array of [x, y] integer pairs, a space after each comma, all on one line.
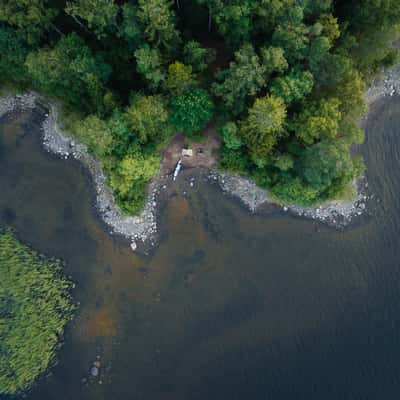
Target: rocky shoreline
[[143, 227], [336, 213]]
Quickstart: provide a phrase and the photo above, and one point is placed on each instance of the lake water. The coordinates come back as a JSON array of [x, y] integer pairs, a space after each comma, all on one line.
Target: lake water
[[229, 305]]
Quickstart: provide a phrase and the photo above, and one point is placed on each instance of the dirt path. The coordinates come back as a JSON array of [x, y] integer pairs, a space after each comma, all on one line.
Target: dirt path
[[205, 151]]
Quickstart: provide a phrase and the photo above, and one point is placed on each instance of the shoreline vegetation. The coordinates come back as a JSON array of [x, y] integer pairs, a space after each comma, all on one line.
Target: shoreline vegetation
[[143, 227], [35, 306], [275, 87]]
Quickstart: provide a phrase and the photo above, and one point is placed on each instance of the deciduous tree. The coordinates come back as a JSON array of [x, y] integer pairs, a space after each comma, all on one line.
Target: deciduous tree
[[99, 15], [244, 78], [190, 112]]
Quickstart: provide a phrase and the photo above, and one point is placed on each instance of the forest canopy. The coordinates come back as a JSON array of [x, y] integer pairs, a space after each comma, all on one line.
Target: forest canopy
[[35, 305], [284, 80]]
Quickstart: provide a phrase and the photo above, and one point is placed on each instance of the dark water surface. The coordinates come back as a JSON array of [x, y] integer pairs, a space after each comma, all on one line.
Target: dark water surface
[[229, 305]]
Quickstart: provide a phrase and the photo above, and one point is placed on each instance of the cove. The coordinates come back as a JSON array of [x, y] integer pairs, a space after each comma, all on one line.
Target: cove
[[228, 305]]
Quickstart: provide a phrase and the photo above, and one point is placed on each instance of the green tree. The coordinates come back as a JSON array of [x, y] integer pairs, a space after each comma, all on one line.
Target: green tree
[[284, 162], [293, 190], [197, 56], [328, 167], [318, 121], [130, 178], [180, 78], [244, 78], [231, 136], [130, 28], [292, 35], [149, 64], [159, 21], [69, 71], [13, 52], [330, 26], [191, 111], [293, 87], [100, 15], [263, 127], [274, 60], [95, 133], [234, 20], [32, 17], [148, 118]]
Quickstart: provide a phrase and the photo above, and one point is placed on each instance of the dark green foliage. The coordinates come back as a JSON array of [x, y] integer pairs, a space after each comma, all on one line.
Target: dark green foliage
[[149, 64], [235, 160], [325, 164], [198, 57], [13, 51], [35, 306], [241, 81], [31, 17], [190, 112], [99, 15], [130, 28], [288, 75], [70, 71], [293, 87]]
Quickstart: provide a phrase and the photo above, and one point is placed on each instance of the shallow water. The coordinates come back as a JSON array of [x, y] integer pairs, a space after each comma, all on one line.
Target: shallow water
[[229, 305]]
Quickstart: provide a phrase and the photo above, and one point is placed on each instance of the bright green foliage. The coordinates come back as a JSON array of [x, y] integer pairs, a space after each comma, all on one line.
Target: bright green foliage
[[318, 121], [293, 190], [350, 131], [149, 64], [129, 180], [190, 112], [352, 94], [95, 133], [293, 87], [35, 305], [148, 118], [32, 17], [231, 136], [197, 56], [330, 26], [69, 71], [274, 59], [100, 15], [13, 52], [159, 22], [241, 81], [180, 78], [264, 126]]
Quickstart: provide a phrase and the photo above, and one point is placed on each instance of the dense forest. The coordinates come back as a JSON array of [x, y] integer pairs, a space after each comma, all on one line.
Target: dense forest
[[284, 80], [35, 305]]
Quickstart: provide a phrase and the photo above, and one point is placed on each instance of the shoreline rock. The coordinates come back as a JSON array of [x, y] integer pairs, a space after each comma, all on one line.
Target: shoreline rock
[[142, 227], [336, 213]]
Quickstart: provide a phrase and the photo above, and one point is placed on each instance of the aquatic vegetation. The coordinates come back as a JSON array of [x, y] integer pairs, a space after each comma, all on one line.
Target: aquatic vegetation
[[35, 305]]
